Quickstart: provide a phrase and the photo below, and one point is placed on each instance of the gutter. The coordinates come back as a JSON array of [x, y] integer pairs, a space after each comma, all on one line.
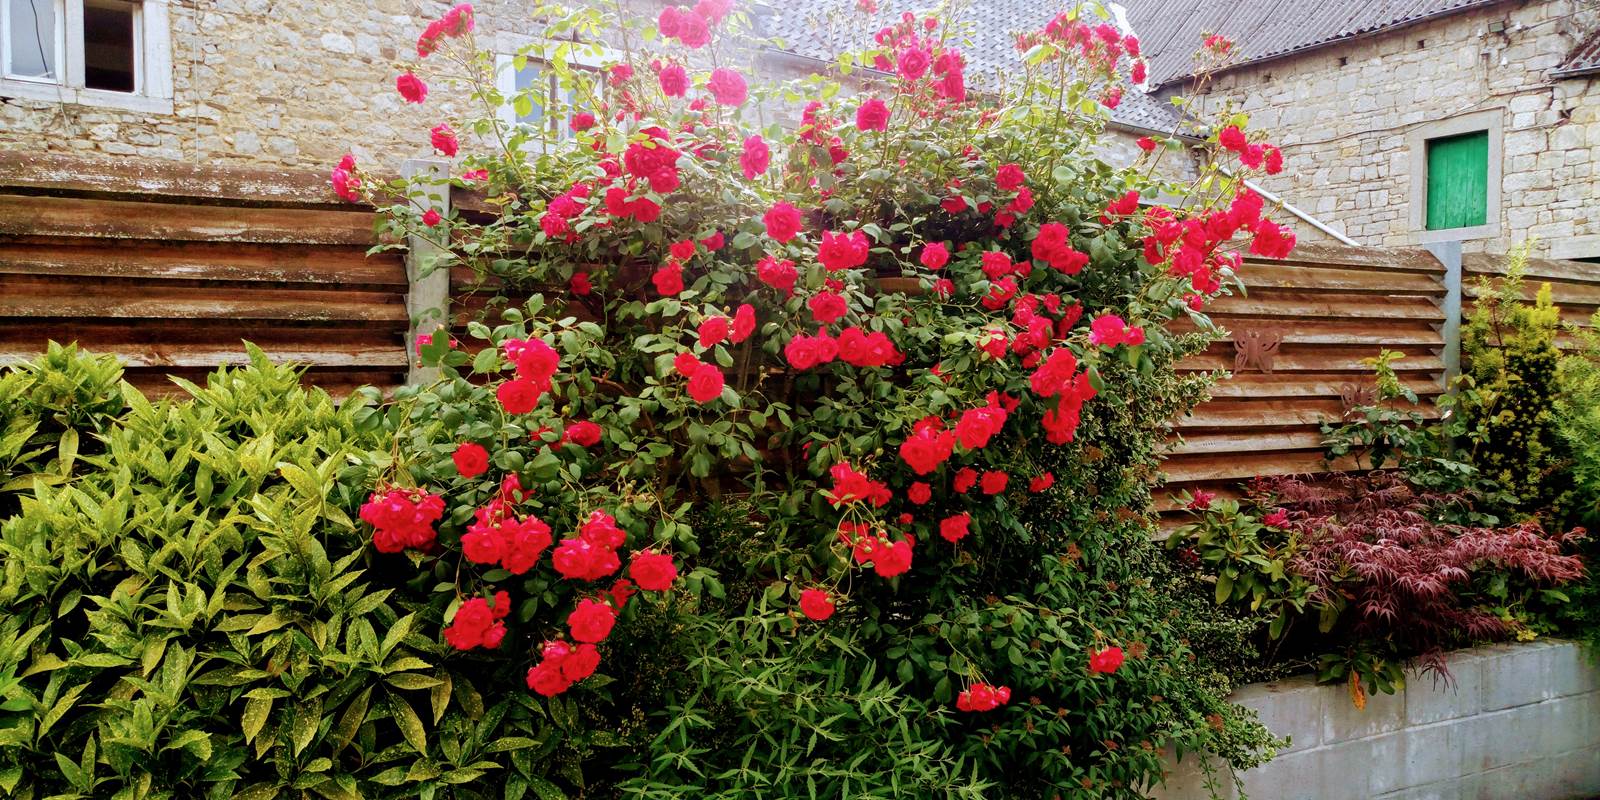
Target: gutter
[[1289, 207]]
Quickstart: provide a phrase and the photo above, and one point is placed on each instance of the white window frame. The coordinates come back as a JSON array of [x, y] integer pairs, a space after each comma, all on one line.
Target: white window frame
[[152, 51], [540, 51]]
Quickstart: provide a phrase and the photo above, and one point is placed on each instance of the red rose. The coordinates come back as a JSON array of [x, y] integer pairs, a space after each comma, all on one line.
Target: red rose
[[827, 307], [755, 159], [653, 571], [582, 121], [685, 364], [919, 493], [744, 323], [411, 87], [674, 80], [706, 384], [591, 621], [1009, 177], [1105, 661], [955, 528], [913, 62], [965, 479], [471, 459], [841, 251], [582, 433], [780, 275], [926, 449], [444, 140], [782, 221], [728, 87], [580, 283], [519, 396], [668, 279], [712, 331], [580, 663], [994, 481], [1042, 483], [873, 115], [546, 679], [816, 604], [935, 255]]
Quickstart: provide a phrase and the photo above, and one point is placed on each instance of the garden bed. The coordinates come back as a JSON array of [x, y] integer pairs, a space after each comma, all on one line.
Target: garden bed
[[1517, 720]]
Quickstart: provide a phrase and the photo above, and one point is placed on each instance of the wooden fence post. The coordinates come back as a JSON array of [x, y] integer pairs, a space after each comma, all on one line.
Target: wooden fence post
[[1449, 254], [428, 293]]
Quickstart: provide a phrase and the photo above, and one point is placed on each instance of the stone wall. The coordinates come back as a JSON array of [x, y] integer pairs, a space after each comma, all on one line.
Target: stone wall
[[1518, 721], [1344, 115], [295, 84], [278, 83]]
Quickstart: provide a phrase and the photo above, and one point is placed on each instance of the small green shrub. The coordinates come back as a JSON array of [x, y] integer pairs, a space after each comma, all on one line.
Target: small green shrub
[[193, 616], [47, 409], [1508, 393]]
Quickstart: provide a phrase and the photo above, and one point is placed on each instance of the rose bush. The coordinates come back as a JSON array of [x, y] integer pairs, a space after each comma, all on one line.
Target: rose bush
[[814, 460]]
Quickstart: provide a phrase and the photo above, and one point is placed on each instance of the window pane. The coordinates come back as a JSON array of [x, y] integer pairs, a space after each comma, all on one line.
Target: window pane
[[530, 108], [1458, 181], [108, 42], [32, 39]]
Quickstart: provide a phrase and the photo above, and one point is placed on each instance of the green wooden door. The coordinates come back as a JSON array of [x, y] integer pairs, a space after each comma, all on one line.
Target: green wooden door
[[1458, 181]]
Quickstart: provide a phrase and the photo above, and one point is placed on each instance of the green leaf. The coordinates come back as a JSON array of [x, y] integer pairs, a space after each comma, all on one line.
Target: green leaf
[[409, 723], [255, 714]]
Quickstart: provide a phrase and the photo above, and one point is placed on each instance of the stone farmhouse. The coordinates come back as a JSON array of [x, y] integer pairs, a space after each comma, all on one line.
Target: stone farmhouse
[[1412, 121]]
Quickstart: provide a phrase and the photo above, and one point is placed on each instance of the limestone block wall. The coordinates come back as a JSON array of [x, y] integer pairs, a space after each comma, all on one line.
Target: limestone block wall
[[280, 84], [1520, 721], [1344, 114]]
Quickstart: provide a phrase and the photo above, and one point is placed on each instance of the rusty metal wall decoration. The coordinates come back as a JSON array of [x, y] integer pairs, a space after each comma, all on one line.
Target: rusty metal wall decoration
[[1255, 349]]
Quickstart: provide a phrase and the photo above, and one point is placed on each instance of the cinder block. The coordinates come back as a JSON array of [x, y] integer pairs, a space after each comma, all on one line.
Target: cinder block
[[1386, 760], [1343, 722], [1432, 755], [1572, 671], [1292, 708], [1570, 723], [1309, 775], [1515, 675], [1433, 698], [1187, 781]]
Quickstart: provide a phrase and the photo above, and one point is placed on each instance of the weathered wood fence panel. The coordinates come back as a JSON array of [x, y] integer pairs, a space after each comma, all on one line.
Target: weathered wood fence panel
[[1296, 345], [171, 267]]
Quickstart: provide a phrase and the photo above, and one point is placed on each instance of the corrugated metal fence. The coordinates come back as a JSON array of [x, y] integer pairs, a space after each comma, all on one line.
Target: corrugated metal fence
[[169, 267]]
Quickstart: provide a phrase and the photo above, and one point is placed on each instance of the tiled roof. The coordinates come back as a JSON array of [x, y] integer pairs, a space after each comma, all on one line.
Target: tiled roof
[[1171, 30], [821, 29], [1584, 61]]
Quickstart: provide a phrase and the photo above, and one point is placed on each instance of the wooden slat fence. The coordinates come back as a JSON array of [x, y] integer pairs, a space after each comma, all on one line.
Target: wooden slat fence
[[170, 267]]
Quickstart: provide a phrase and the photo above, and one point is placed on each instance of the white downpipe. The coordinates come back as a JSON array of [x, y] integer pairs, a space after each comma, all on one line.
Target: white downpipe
[[1289, 207]]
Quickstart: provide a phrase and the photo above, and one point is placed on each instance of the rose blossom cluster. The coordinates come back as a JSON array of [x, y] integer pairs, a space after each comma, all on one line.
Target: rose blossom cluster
[[983, 697], [456, 22], [1098, 50], [479, 623], [402, 519]]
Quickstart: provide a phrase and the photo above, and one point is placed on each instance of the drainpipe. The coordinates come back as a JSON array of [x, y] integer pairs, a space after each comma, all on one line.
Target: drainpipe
[[1313, 221]]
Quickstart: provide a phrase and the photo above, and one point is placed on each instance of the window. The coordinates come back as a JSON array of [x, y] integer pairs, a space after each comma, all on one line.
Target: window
[[109, 53], [530, 89], [1458, 181], [1454, 175], [31, 48]]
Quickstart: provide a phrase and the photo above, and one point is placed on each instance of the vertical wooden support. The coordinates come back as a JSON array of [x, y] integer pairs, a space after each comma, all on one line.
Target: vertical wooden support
[[428, 295], [1449, 254]]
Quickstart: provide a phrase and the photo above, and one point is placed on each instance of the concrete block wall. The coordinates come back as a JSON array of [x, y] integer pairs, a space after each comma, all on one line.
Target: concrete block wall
[[1519, 722]]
